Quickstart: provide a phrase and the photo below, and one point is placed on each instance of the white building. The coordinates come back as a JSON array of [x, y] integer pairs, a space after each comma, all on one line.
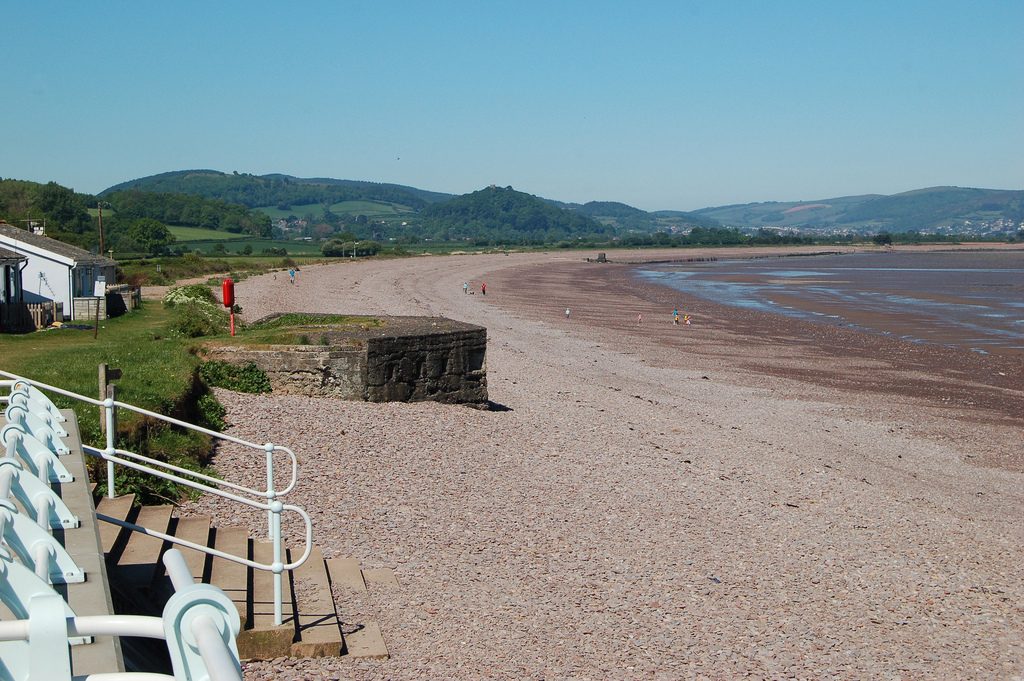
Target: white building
[[10, 276], [55, 270]]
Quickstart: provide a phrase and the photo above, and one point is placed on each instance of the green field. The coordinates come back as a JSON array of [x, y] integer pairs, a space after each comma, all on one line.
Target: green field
[[372, 209], [235, 246], [201, 234]]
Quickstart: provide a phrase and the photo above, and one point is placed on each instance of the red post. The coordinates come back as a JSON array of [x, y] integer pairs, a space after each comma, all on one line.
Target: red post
[[228, 295]]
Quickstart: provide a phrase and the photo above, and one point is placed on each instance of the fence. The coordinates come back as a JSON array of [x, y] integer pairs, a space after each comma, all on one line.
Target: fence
[[22, 317], [199, 623], [32, 412], [123, 298]]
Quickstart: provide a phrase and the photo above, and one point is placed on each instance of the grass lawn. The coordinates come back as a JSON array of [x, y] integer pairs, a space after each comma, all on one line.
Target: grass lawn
[[157, 368], [158, 375]]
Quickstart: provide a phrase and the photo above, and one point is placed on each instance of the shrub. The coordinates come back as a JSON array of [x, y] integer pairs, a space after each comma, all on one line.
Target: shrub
[[211, 412], [245, 378], [195, 319], [189, 293]]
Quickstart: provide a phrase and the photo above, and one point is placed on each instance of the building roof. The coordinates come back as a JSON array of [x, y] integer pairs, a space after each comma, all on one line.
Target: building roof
[[78, 255], [10, 257]]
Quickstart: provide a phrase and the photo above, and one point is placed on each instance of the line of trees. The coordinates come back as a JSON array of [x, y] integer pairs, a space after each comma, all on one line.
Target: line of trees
[[190, 211]]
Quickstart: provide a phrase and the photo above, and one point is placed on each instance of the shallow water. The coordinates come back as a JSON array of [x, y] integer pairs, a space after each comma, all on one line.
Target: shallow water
[[965, 299]]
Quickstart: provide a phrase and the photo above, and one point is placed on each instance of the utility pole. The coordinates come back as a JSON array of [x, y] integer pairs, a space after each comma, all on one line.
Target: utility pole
[[99, 207]]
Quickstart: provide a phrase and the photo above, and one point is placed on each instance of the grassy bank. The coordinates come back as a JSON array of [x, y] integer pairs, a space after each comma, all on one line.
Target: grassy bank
[[159, 374]]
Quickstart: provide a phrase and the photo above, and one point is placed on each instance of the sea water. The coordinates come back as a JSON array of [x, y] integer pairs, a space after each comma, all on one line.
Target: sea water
[[968, 299]]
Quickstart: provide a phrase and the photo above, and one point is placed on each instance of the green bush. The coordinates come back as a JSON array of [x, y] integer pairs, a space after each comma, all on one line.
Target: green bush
[[195, 319], [211, 412], [244, 378]]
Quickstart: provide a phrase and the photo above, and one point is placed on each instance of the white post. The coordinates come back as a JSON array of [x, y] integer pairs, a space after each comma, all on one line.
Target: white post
[[274, 532], [278, 566], [271, 494], [108, 407]]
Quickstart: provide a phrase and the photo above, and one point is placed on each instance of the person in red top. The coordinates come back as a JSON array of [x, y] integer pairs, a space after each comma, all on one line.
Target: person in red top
[[483, 288]]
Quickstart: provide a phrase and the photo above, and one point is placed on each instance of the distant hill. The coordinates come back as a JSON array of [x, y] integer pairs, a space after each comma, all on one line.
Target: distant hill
[[931, 209], [276, 190], [506, 215], [612, 209], [403, 209], [626, 218]]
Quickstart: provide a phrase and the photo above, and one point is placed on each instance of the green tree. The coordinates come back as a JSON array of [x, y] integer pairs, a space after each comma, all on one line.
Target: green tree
[[151, 235]]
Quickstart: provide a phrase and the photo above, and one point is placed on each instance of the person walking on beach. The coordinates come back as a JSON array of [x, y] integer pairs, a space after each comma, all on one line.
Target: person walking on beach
[[566, 313], [483, 288], [291, 275], [686, 319], [675, 316], [465, 287], [639, 319]]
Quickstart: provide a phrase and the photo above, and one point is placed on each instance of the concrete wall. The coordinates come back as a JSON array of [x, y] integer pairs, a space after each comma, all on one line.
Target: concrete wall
[[312, 370], [408, 362], [444, 367]]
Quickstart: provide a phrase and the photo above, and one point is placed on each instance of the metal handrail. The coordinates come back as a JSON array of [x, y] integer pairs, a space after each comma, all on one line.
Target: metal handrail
[[109, 404], [199, 624], [273, 506]]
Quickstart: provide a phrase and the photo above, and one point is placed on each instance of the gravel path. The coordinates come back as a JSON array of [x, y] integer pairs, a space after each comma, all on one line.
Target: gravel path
[[631, 515]]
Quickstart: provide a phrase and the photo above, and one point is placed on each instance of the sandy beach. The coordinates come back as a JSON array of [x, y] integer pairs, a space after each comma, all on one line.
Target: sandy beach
[[745, 496]]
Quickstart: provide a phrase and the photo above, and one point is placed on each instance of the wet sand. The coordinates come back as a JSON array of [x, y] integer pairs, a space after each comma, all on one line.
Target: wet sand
[[952, 383]]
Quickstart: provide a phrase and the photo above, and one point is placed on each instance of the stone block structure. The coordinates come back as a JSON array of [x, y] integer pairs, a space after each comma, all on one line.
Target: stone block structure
[[405, 359]]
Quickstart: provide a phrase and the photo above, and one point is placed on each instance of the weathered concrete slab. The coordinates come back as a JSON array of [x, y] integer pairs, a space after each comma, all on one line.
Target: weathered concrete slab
[[396, 359]]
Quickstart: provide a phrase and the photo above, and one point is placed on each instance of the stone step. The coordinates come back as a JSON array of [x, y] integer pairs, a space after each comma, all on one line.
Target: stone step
[[140, 560], [231, 577], [319, 631], [197, 531], [345, 573], [263, 589], [365, 639], [119, 508], [261, 639], [311, 625]]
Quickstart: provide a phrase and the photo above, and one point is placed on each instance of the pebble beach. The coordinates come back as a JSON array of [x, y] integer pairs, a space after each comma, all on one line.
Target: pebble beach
[[737, 498]]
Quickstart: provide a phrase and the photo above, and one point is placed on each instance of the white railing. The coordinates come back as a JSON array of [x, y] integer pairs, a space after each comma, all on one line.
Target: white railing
[[25, 395], [200, 625]]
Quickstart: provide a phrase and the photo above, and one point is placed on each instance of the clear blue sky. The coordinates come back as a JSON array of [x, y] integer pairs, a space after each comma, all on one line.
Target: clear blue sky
[[662, 105]]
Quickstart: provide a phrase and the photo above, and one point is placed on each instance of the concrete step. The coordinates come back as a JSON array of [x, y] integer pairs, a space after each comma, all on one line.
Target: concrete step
[[119, 508], [319, 632], [139, 562], [231, 577], [261, 639], [93, 596], [362, 639], [197, 531]]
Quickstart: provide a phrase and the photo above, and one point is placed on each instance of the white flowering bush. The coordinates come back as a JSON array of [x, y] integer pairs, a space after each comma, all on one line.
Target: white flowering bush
[[188, 294], [196, 311]]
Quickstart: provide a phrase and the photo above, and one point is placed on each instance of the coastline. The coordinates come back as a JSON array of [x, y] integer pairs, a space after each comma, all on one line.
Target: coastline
[[763, 348], [648, 504]]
